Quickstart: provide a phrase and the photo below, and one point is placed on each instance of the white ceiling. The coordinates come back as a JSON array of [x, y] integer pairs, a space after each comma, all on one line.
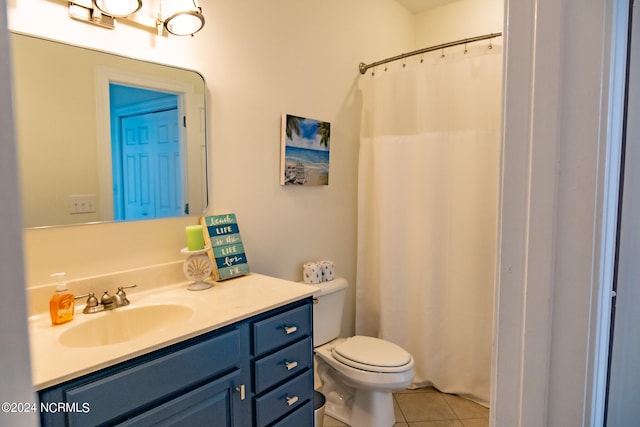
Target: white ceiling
[[417, 6]]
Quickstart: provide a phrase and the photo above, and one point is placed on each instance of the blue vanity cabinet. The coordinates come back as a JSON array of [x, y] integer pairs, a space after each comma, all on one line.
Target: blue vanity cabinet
[[257, 372]]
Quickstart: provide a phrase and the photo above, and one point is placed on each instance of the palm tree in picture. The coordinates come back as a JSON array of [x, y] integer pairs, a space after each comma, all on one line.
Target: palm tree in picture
[[324, 130], [293, 125]]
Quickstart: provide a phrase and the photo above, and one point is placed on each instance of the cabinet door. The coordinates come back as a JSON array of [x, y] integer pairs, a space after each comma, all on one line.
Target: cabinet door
[[133, 387], [214, 404]]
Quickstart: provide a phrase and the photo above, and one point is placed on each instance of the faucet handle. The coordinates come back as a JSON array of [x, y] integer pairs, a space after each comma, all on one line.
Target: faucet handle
[[92, 301], [121, 295], [92, 304], [90, 297]]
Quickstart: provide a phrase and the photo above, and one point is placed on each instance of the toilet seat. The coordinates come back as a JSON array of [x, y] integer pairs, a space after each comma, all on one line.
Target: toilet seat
[[371, 354]]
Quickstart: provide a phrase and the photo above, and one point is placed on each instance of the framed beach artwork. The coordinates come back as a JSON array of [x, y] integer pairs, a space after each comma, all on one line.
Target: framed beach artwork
[[305, 151]]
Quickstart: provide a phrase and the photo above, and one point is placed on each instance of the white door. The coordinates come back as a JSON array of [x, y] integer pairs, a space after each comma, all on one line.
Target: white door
[[151, 166]]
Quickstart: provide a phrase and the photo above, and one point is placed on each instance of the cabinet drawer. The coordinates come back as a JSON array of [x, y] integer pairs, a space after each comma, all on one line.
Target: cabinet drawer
[[283, 364], [281, 329], [301, 417], [131, 389], [284, 399]]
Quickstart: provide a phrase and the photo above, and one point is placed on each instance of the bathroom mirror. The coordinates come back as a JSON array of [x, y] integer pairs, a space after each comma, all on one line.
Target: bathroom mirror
[[103, 137]]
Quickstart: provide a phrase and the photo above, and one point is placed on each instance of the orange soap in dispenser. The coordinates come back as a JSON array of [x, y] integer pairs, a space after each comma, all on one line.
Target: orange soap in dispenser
[[62, 303]]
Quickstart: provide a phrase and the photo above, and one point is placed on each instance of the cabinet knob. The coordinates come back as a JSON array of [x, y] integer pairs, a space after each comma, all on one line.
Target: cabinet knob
[[290, 365], [291, 400], [240, 389], [290, 329]]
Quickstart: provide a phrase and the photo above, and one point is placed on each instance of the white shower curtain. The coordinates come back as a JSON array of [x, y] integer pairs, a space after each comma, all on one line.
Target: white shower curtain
[[427, 212]]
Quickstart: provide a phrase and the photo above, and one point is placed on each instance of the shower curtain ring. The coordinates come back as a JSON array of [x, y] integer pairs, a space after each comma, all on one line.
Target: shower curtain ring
[[465, 49], [490, 44], [442, 54]]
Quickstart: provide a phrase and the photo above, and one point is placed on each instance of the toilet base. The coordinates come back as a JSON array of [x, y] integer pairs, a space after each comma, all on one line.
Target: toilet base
[[355, 407], [369, 409], [373, 409]]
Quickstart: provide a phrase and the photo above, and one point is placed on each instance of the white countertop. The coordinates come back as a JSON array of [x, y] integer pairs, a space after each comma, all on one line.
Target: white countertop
[[225, 303]]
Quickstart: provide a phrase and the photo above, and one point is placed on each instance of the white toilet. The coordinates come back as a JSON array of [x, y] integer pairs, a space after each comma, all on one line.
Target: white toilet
[[358, 374]]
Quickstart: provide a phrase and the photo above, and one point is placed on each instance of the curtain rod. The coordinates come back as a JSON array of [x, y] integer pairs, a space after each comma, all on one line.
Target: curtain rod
[[364, 67]]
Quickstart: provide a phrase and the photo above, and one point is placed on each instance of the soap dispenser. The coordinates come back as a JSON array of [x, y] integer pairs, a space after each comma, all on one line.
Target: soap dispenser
[[62, 303]]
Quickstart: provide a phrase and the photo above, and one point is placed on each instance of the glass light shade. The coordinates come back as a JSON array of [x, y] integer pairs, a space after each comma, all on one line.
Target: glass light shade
[[182, 17], [118, 8]]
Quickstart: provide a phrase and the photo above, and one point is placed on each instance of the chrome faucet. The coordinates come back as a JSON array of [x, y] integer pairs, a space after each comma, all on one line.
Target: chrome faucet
[[107, 302]]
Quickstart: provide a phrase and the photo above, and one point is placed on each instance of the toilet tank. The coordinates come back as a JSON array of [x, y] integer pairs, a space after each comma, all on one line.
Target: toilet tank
[[327, 312]]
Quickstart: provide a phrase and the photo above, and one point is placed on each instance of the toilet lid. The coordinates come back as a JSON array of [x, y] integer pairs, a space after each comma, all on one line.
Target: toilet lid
[[371, 354]]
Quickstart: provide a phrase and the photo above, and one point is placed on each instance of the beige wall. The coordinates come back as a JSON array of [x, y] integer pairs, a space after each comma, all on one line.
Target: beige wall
[[459, 20]]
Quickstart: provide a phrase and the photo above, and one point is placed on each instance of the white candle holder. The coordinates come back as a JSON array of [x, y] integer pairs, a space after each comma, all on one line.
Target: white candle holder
[[197, 267]]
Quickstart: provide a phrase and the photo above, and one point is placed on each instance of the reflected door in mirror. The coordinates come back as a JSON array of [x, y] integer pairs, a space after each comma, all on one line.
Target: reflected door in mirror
[[148, 160]]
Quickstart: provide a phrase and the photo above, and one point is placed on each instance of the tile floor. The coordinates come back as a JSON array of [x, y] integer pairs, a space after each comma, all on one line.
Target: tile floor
[[427, 407]]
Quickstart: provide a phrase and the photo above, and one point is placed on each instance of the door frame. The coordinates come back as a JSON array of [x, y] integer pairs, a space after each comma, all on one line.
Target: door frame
[[564, 78]]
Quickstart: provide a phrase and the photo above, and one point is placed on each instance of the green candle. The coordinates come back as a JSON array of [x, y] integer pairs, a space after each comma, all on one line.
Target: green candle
[[195, 238]]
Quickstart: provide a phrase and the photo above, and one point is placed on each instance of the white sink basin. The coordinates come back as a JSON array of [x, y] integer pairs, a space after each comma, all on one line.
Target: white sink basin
[[124, 324]]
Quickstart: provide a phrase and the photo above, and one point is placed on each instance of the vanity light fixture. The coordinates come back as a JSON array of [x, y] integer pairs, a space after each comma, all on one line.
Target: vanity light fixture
[[118, 8], [83, 10], [177, 17], [181, 17]]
